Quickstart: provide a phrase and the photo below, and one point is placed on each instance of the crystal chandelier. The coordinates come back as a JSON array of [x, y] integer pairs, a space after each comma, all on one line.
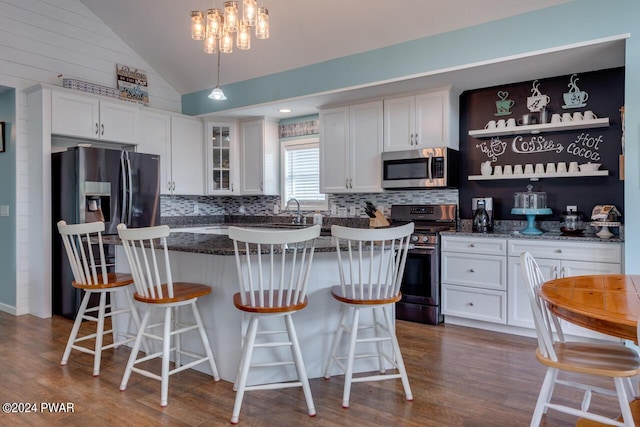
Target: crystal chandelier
[[217, 27]]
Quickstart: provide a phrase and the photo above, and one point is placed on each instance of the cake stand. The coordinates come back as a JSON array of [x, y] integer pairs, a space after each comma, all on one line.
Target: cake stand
[[604, 232], [531, 219]]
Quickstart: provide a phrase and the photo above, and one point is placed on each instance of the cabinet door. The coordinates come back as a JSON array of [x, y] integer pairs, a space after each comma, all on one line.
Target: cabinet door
[[75, 115], [519, 312], [399, 123], [580, 268], [365, 131], [155, 138], [251, 137], [118, 122], [334, 150], [431, 120], [220, 146], [187, 155]]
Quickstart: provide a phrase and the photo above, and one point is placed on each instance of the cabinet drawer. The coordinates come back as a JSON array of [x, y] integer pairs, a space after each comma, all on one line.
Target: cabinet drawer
[[477, 304], [568, 250], [474, 245], [482, 271]]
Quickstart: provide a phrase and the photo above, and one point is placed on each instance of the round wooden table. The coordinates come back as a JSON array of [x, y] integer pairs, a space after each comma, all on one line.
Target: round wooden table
[[607, 303]]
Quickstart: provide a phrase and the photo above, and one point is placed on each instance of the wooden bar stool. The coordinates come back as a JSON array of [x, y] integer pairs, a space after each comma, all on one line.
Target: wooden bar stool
[[142, 251], [83, 243], [371, 264], [273, 269]]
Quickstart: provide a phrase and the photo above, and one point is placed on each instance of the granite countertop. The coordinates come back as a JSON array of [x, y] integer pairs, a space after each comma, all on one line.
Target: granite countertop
[[549, 235]]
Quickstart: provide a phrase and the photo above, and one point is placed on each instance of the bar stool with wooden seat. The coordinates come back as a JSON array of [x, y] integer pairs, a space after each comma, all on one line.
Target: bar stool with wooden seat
[[595, 359], [83, 243], [371, 264], [142, 251], [273, 270]]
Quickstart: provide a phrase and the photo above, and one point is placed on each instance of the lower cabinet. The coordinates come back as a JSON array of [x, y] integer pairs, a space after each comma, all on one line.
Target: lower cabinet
[[482, 277]]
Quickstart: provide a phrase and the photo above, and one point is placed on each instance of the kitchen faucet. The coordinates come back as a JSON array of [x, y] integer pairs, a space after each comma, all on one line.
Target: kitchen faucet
[[298, 218]]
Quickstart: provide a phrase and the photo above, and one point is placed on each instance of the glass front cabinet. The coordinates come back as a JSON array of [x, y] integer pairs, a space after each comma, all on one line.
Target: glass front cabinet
[[222, 158]]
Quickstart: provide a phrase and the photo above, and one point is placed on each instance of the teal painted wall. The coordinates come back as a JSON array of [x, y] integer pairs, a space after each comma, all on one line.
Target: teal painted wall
[[573, 22], [8, 278]]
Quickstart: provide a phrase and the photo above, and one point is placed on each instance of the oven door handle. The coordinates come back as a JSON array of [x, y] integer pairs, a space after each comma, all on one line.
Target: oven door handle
[[423, 250]]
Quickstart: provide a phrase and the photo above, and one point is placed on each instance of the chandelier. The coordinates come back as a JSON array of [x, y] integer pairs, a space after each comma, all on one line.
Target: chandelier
[[220, 26]]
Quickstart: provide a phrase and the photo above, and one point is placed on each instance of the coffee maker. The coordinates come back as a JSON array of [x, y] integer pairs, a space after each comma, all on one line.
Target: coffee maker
[[482, 214]]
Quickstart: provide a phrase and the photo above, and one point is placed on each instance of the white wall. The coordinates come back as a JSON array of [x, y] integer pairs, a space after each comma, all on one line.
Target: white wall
[[39, 40]]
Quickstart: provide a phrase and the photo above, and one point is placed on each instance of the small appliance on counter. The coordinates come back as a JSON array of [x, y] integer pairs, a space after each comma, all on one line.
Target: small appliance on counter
[[482, 214], [572, 223], [530, 203]]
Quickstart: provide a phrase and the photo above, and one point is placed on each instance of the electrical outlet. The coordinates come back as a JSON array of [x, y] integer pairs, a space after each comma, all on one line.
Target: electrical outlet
[[334, 210], [352, 210], [573, 208], [4, 210], [276, 209], [196, 209]]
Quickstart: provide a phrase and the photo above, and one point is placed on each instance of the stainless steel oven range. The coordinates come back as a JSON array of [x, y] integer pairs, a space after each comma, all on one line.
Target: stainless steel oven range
[[421, 281]]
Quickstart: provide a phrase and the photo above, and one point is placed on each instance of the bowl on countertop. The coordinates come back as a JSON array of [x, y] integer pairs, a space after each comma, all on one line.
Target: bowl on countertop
[[589, 167]]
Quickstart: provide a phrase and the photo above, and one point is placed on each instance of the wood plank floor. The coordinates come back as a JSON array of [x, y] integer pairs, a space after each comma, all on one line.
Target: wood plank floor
[[459, 376]]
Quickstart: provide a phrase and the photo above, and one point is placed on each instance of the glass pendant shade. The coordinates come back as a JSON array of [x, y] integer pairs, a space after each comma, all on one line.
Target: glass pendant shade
[[262, 26], [210, 44], [249, 12], [217, 94], [226, 43], [231, 16], [244, 36], [197, 25], [214, 23]]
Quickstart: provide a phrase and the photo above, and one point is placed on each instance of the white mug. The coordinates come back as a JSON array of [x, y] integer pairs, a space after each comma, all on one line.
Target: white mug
[[502, 123], [577, 116], [556, 118], [517, 170], [562, 167], [511, 123], [491, 124], [573, 167], [539, 168], [528, 168], [566, 117], [588, 115], [508, 170], [497, 170], [551, 168]]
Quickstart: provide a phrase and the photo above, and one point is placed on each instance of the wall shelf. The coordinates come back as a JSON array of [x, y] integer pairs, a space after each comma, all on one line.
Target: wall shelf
[[537, 176], [542, 128]]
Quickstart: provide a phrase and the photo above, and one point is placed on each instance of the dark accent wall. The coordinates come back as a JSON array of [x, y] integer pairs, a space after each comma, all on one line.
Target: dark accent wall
[[605, 89]]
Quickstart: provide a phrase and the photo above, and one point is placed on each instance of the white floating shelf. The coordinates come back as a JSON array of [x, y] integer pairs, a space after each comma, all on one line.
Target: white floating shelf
[[535, 129], [537, 176]]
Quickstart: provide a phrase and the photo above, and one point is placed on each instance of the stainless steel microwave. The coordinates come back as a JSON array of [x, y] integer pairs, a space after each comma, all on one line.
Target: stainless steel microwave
[[425, 168]]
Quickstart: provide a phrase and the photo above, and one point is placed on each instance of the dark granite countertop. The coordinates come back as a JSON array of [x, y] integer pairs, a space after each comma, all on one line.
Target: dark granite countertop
[[550, 235]]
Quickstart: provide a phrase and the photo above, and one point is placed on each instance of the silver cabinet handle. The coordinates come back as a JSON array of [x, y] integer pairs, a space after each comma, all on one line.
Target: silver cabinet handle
[[351, 183], [346, 183], [562, 272], [471, 270], [102, 129], [411, 139], [470, 304], [471, 245], [169, 185], [415, 139], [97, 129], [558, 251]]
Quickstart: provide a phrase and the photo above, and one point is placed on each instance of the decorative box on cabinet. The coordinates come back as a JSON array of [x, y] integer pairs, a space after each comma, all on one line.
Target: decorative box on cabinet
[[90, 117], [259, 158], [474, 278], [421, 121], [350, 148]]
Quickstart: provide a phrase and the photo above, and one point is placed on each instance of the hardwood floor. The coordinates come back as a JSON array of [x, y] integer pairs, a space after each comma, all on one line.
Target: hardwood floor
[[459, 376]]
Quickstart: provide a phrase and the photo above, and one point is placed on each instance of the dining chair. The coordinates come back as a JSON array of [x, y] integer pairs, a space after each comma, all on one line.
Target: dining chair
[[85, 251], [146, 250], [371, 265], [273, 269], [596, 359]]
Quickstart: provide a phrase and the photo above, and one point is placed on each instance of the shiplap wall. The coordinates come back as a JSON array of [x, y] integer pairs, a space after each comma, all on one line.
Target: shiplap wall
[[40, 40]]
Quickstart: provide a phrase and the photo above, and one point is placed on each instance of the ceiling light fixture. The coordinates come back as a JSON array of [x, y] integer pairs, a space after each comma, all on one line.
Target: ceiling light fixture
[[217, 31], [285, 110], [217, 94]]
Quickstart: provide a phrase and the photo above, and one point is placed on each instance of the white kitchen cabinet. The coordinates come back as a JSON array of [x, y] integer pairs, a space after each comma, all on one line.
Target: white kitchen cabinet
[[155, 138], [259, 158], [557, 259], [90, 117], [187, 156], [474, 278], [222, 167], [422, 121], [350, 148]]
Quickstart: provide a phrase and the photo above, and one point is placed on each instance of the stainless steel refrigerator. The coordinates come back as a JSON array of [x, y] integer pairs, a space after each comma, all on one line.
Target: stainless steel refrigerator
[[96, 184]]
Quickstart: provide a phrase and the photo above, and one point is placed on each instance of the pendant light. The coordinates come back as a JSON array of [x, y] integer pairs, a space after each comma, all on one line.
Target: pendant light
[[217, 94]]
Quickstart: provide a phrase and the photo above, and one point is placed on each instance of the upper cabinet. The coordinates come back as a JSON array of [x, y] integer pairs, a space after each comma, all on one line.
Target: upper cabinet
[[350, 148], [187, 155], [421, 121], [155, 138], [222, 155], [93, 118], [259, 158]]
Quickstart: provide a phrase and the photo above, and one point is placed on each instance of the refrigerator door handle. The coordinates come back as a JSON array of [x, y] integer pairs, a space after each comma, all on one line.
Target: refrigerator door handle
[[129, 191], [123, 206]]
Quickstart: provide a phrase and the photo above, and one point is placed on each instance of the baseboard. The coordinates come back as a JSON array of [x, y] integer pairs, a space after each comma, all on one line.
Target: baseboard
[[8, 308]]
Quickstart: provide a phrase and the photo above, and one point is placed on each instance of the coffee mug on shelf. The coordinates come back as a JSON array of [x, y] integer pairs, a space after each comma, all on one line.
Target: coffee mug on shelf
[[491, 124], [511, 123], [539, 168], [556, 118], [566, 117], [497, 170], [528, 169], [577, 116], [517, 170], [573, 167], [551, 168], [508, 170], [502, 123], [562, 167], [588, 115]]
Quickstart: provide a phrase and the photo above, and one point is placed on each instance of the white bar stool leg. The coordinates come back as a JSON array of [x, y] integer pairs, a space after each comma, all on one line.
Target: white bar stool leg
[[379, 335], [76, 327], [244, 369], [174, 326], [136, 319], [205, 342], [112, 308], [166, 354], [134, 351], [297, 357], [99, 334], [337, 337], [352, 351], [398, 356]]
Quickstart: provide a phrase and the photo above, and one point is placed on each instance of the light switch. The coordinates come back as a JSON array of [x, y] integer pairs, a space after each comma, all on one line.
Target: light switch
[[4, 210]]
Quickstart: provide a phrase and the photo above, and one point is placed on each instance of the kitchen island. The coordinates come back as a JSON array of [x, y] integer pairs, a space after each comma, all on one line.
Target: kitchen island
[[208, 259]]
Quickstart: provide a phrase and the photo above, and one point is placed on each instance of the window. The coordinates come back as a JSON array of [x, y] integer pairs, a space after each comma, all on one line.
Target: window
[[301, 174]]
